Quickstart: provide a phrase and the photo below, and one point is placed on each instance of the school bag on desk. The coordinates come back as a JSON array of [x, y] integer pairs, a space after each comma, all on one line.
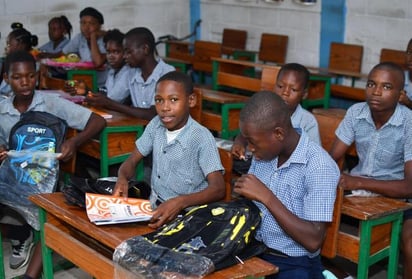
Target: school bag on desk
[[31, 166], [207, 238]]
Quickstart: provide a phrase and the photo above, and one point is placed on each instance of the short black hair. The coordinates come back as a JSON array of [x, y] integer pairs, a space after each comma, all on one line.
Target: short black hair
[[24, 37], [89, 11], [301, 70], [266, 110], [114, 35], [142, 35], [181, 78], [393, 67], [18, 56]]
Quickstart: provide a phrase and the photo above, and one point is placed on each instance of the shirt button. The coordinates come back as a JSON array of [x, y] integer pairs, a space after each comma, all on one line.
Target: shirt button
[[164, 152], [158, 176]]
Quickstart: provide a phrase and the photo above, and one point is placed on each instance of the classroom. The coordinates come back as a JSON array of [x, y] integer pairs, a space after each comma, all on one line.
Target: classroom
[[309, 30]]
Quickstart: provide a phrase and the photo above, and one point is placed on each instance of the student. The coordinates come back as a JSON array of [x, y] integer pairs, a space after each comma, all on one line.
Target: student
[[382, 132], [186, 165], [406, 95], [293, 182], [21, 74], [139, 52], [118, 76], [18, 39], [89, 43], [292, 86], [59, 28]]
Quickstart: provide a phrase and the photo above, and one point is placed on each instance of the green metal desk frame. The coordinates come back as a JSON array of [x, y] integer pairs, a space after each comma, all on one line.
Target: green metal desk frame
[[324, 102], [225, 108], [391, 252]]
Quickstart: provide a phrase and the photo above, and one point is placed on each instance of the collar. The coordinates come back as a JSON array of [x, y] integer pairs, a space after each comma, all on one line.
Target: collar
[[8, 106], [396, 119], [184, 138], [154, 76]]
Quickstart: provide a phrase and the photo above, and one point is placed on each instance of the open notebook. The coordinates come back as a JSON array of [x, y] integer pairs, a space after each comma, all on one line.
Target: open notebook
[[107, 209]]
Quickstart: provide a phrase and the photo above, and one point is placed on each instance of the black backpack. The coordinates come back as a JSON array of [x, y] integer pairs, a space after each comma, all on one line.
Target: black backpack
[[207, 238], [38, 131]]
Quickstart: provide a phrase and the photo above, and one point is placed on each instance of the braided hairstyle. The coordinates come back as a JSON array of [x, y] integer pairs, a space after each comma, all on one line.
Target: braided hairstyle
[[23, 36], [64, 23]]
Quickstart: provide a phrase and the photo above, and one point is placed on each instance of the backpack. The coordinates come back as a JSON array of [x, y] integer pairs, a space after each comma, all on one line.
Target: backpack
[[38, 131], [207, 238]]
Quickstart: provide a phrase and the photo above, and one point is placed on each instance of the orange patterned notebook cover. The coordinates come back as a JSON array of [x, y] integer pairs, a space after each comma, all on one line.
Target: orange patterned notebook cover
[[106, 209]]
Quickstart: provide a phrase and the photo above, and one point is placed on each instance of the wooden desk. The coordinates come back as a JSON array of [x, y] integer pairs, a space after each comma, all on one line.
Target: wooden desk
[[380, 220], [67, 230], [226, 120], [116, 141]]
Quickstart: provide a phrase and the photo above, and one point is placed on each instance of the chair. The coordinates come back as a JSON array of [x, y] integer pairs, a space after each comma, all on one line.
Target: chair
[[88, 76], [202, 57], [196, 111], [233, 39], [393, 55], [273, 48], [227, 162]]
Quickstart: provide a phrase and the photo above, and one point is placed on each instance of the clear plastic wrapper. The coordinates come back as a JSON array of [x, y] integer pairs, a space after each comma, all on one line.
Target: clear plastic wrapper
[[25, 173], [148, 260]]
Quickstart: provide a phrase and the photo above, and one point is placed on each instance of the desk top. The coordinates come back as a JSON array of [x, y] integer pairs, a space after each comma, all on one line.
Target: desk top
[[113, 235], [365, 208], [222, 97]]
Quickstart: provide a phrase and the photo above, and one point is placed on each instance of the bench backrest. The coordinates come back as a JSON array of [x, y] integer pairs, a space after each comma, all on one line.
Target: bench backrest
[[227, 162], [179, 50], [393, 55], [345, 57], [273, 48], [203, 52], [196, 111], [233, 39]]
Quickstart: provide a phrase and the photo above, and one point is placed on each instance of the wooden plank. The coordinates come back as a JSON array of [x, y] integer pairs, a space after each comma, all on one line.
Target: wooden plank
[[348, 92], [348, 246]]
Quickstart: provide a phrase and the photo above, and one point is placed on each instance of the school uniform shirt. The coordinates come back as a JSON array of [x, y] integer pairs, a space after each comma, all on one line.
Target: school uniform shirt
[[117, 84], [181, 166], [408, 85], [5, 90], [49, 46], [305, 184], [142, 92], [76, 116], [382, 153], [78, 44], [301, 118]]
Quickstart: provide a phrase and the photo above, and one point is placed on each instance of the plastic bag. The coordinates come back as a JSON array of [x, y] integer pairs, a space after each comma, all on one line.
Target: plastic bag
[[25, 173]]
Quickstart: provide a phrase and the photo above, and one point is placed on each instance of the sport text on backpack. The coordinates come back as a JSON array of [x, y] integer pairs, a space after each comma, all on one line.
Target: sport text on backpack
[[38, 131], [207, 238]]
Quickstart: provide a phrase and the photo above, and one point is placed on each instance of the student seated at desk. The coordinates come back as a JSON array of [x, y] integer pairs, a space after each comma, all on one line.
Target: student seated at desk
[[139, 53], [382, 130], [293, 182], [406, 94], [59, 27], [292, 86], [21, 74], [186, 165]]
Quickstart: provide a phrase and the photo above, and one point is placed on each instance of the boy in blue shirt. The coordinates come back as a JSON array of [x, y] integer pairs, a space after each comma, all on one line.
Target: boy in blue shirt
[[186, 165], [293, 182], [382, 130]]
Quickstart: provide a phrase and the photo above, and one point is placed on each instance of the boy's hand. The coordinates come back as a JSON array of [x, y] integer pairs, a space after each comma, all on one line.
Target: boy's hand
[[165, 213], [68, 149], [238, 151], [251, 188], [3, 153], [404, 100], [96, 99], [121, 188], [349, 182]]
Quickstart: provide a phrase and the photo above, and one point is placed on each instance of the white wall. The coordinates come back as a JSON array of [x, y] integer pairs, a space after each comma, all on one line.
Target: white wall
[[160, 16]]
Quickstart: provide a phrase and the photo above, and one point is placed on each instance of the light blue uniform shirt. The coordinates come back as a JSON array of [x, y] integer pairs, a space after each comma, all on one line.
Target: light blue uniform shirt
[[142, 92], [382, 153], [301, 118], [306, 184], [49, 46], [117, 84], [181, 166], [408, 85], [76, 116]]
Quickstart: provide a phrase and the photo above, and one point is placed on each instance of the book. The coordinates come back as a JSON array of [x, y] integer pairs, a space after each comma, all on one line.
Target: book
[[107, 209], [102, 113]]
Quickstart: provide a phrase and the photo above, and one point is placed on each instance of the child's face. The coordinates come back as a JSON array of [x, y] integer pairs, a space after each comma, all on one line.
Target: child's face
[[13, 45], [88, 25], [383, 90], [134, 52], [22, 77], [290, 87], [173, 104], [114, 54], [56, 31], [409, 56], [264, 144]]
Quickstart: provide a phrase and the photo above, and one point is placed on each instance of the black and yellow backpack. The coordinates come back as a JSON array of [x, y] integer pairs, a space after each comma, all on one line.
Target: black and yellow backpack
[[207, 238]]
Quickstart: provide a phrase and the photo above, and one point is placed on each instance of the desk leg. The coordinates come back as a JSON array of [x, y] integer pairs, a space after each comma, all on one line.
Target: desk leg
[[364, 249], [394, 248], [104, 153], [46, 251], [226, 132]]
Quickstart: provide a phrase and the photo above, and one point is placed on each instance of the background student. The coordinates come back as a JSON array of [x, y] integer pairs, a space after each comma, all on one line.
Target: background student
[[293, 182], [382, 130], [186, 165], [406, 95], [139, 52], [21, 74]]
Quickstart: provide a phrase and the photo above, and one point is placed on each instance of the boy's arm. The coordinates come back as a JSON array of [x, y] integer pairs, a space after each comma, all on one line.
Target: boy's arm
[[390, 188], [308, 233], [238, 149], [126, 171], [94, 125], [98, 58], [338, 150], [169, 209]]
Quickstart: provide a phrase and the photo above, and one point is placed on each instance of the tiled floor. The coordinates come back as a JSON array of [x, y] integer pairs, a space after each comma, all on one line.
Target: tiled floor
[[375, 272]]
